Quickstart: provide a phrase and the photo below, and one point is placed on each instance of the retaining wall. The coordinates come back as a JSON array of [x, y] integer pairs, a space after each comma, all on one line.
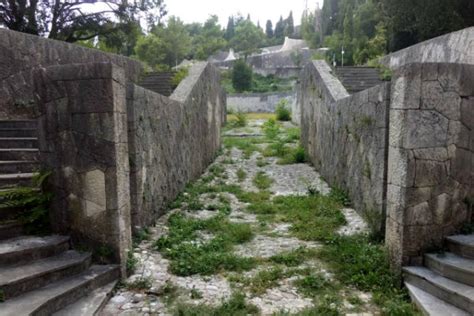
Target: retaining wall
[[259, 102], [172, 140], [345, 137]]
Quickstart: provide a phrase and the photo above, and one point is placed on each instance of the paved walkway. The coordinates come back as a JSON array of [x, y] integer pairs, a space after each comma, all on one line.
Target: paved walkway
[[284, 296]]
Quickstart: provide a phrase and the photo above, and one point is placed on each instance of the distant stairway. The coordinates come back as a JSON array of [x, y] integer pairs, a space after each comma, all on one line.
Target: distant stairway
[[356, 79], [159, 82], [41, 275], [445, 286]]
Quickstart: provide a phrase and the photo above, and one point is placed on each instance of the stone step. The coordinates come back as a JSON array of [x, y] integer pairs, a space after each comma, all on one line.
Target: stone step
[[27, 248], [9, 213], [462, 245], [452, 267], [18, 132], [92, 304], [431, 305], [19, 166], [18, 124], [15, 179], [19, 154], [18, 279], [10, 229], [57, 295], [452, 292], [18, 142]]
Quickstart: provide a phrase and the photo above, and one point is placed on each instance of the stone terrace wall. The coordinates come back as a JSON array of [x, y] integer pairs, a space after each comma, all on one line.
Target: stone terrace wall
[[21, 53], [172, 140], [456, 47], [258, 102], [83, 140], [431, 157], [346, 136]]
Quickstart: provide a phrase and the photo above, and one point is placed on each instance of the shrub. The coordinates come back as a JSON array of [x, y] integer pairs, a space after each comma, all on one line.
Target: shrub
[[283, 113], [271, 129], [242, 76], [179, 76]]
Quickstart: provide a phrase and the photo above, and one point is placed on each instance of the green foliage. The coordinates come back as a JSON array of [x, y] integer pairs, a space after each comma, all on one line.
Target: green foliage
[[359, 262], [241, 175], [235, 306], [271, 129], [33, 201], [239, 121], [179, 76], [208, 257], [248, 37], [312, 285], [262, 181], [209, 39], [340, 195], [165, 46], [292, 258], [132, 262], [282, 111], [139, 284], [241, 76]]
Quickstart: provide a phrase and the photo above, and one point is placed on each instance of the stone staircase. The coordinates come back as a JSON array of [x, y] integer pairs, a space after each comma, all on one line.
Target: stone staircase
[[356, 79], [41, 275], [445, 285], [159, 82]]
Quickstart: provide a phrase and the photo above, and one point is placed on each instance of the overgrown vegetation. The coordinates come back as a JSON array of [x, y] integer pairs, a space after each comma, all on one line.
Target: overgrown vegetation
[[282, 111], [188, 258], [33, 203], [256, 83], [180, 75]]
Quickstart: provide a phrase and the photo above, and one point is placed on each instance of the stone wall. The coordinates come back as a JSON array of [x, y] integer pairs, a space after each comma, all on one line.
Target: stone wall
[[259, 102], [431, 157], [21, 54], [83, 140], [346, 137], [456, 47], [172, 140]]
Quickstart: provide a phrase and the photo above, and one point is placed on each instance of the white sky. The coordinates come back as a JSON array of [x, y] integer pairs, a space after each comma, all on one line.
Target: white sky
[[260, 10]]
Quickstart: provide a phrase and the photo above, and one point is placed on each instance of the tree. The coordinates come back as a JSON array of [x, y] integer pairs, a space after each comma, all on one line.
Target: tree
[[248, 37], [68, 20], [166, 45], [210, 40], [230, 30], [241, 76], [269, 29], [280, 29], [290, 25]]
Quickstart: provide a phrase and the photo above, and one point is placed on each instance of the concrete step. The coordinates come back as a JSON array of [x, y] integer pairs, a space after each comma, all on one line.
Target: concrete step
[[15, 179], [452, 267], [57, 295], [431, 305], [19, 166], [452, 292], [18, 132], [462, 245], [92, 304], [18, 124], [18, 279], [27, 248], [10, 154], [18, 142], [10, 229]]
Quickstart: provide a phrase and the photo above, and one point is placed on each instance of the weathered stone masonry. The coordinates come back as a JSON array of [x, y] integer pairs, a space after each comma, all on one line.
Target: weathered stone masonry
[[345, 136], [405, 149], [108, 178]]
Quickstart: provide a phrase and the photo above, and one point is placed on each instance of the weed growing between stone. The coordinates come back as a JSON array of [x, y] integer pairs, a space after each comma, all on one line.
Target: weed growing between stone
[[235, 306]]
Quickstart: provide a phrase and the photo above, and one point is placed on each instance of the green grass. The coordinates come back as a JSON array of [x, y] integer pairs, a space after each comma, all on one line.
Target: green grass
[[189, 258], [247, 145], [262, 181], [235, 306], [140, 284], [359, 262], [293, 258], [241, 175]]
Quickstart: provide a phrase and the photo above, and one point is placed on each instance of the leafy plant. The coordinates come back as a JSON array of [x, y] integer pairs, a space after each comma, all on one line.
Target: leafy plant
[[34, 201], [179, 76], [282, 111], [262, 181], [271, 129], [131, 262], [241, 175], [235, 306]]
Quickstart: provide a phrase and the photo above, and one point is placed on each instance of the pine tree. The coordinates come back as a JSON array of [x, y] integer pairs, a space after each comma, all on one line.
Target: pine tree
[[269, 29], [290, 25], [280, 29]]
